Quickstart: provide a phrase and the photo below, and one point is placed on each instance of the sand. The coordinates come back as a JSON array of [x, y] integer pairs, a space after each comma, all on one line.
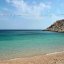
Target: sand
[[51, 58]]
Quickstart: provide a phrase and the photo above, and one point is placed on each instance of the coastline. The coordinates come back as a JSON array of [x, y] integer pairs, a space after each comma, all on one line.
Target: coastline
[[50, 58]]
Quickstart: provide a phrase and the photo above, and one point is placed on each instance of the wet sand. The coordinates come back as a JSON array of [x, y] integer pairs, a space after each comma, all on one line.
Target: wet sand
[[51, 58]]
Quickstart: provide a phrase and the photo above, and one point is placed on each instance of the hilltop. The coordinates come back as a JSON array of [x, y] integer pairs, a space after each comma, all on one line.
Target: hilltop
[[58, 26]]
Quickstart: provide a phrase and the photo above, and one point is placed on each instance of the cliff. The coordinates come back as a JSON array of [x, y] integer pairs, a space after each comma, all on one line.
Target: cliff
[[58, 26]]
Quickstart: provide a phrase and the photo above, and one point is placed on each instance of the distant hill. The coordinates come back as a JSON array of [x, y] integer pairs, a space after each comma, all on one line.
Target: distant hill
[[58, 26]]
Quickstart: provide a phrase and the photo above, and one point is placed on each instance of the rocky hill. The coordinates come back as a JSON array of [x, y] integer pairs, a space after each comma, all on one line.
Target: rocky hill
[[58, 26]]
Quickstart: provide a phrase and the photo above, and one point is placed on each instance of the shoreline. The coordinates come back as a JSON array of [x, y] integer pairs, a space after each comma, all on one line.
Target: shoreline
[[39, 55], [50, 58]]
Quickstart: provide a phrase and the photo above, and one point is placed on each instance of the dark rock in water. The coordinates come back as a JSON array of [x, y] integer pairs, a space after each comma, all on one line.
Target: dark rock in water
[[58, 26]]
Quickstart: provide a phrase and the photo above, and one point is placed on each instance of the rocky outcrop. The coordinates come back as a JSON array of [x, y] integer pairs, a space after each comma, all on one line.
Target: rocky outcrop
[[58, 26]]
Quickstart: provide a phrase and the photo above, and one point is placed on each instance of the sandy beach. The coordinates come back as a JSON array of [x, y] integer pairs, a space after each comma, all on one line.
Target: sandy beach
[[51, 58]]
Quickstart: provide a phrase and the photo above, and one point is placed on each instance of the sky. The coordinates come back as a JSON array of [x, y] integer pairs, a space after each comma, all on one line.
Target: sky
[[30, 14]]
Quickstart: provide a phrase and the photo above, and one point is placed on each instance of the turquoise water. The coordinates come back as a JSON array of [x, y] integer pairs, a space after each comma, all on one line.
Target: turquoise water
[[15, 44]]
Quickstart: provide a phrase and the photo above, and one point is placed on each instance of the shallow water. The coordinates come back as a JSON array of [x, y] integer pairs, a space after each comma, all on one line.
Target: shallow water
[[15, 44]]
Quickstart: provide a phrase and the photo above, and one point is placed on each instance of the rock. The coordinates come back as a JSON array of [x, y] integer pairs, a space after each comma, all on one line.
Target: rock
[[58, 26]]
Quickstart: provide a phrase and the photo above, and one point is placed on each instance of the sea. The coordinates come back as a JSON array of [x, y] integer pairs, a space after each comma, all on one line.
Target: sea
[[26, 43]]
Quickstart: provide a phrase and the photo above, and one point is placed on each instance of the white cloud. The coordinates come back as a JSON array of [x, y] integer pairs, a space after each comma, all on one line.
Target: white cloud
[[25, 9]]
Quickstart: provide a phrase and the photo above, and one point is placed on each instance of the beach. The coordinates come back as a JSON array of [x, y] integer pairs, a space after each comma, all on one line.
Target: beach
[[31, 47], [31, 32], [51, 58]]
